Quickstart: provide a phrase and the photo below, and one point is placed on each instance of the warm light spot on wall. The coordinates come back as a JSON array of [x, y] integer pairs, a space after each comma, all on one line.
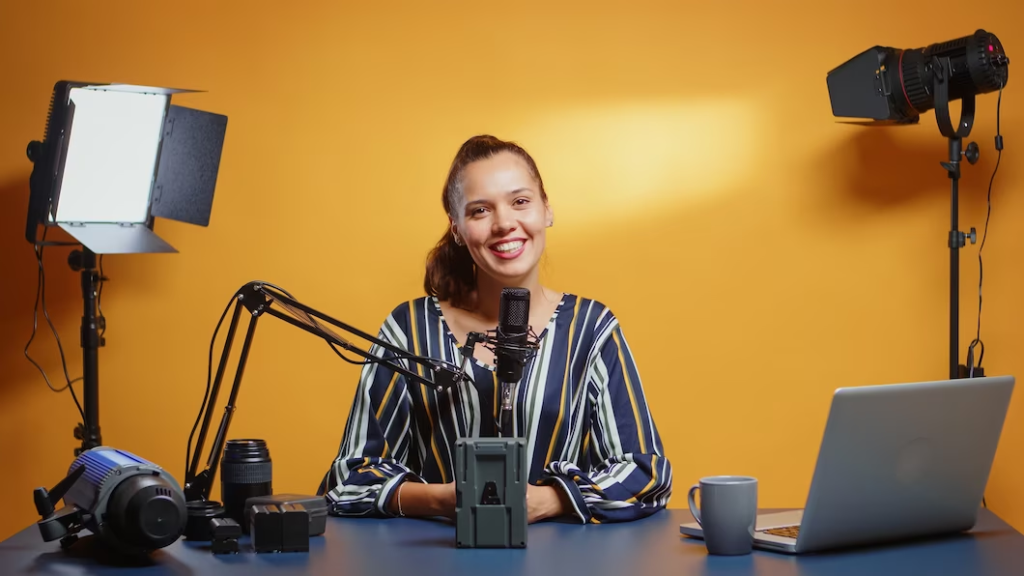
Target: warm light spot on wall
[[604, 161]]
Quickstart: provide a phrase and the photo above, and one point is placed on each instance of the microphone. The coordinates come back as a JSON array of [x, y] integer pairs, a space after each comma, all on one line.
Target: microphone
[[510, 345], [513, 328]]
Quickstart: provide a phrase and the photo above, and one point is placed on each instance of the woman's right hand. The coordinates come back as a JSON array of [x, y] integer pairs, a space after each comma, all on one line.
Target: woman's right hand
[[446, 499], [413, 498]]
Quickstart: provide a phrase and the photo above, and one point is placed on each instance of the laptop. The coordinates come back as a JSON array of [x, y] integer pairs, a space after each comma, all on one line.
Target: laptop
[[897, 461]]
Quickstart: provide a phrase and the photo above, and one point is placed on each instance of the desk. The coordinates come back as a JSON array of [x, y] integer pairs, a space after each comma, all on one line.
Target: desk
[[651, 546]]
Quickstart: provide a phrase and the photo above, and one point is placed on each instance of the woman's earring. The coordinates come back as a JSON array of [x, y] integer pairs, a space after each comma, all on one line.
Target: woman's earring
[[456, 238]]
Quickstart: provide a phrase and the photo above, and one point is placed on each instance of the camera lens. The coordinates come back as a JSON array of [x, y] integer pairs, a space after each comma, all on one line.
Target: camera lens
[[246, 472]]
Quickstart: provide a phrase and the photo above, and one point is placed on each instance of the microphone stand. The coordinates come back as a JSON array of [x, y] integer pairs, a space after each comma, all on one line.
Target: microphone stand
[[505, 421], [258, 299]]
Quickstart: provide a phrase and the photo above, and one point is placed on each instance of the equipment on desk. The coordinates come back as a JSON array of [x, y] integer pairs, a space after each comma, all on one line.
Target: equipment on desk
[[279, 527], [133, 505], [490, 473], [897, 461], [113, 158], [259, 298], [246, 473], [490, 492], [275, 523], [224, 535], [893, 86], [315, 506]]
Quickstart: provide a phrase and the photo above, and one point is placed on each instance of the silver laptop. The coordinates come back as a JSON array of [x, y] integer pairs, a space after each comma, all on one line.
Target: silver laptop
[[897, 461]]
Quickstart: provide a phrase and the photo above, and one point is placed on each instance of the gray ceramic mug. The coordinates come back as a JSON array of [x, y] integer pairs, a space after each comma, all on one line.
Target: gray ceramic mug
[[728, 512]]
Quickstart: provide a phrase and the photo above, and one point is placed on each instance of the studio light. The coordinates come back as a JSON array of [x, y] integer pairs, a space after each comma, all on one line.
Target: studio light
[[114, 157], [894, 86], [131, 504]]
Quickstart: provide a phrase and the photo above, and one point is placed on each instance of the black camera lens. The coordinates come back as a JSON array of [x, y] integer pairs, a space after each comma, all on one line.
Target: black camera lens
[[246, 472]]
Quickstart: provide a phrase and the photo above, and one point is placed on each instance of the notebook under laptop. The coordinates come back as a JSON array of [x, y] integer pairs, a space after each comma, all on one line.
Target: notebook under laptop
[[896, 461]]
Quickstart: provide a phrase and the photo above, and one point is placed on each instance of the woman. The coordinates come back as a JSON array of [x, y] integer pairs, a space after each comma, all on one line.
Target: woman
[[594, 452]]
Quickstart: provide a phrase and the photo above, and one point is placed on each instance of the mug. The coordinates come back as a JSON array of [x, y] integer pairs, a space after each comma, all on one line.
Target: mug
[[728, 512]]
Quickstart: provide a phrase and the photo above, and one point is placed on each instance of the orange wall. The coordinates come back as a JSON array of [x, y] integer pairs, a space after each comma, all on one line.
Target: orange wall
[[758, 253]]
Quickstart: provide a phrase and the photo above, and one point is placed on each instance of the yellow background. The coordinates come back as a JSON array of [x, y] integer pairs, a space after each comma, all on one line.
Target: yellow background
[[758, 253]]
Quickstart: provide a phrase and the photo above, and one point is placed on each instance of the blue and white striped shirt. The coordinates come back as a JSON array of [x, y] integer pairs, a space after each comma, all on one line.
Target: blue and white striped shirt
[[580, 405]]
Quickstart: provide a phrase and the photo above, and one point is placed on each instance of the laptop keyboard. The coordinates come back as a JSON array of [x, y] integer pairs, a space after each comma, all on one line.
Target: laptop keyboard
[[784, 531]]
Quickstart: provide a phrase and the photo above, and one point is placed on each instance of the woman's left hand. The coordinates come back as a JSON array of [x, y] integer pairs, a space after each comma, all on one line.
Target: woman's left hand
[[544, 502]]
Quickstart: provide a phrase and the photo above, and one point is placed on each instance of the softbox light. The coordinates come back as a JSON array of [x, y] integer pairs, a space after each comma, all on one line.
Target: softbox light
[[114, 156]]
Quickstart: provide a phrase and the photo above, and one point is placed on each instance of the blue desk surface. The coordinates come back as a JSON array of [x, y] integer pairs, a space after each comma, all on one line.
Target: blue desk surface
[[650, 546]]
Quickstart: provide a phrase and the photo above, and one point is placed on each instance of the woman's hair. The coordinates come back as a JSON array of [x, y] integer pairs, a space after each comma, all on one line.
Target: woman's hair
[[451, 272]]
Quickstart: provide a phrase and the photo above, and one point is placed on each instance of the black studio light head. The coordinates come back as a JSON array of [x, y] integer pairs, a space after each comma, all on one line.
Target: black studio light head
[[895, 86]]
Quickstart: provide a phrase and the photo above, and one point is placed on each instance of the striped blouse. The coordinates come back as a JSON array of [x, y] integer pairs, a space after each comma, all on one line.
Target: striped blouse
[[580, 405]]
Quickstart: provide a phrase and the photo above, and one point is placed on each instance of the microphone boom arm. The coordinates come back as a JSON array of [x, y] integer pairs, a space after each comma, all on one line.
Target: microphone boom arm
[[258, 298]]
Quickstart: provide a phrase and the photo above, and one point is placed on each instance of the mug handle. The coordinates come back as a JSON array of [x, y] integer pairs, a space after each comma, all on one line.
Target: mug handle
[[693, 505]]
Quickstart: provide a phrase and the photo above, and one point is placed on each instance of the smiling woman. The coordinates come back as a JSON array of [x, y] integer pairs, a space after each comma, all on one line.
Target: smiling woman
[[594, 453]]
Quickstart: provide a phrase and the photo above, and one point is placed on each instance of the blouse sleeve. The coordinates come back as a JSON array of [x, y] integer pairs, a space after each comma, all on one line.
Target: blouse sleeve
[[631, 478], [371, 461]]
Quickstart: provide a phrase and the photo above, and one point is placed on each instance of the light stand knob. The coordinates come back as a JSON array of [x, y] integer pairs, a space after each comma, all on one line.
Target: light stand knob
[[75, 258], [972, 152], [34, 151]]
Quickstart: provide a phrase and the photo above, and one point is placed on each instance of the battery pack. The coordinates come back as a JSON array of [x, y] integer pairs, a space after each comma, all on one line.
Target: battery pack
[[490, 490], [316, 506]]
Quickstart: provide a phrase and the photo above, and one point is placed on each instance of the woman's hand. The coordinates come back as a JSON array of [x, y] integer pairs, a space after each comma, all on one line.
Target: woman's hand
[[446, 498], [545, 502], [418, 499]]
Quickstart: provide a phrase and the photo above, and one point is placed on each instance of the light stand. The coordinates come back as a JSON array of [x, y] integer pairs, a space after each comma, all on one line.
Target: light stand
[[257, 299], [89, 431], [113, 158], [957, 239]]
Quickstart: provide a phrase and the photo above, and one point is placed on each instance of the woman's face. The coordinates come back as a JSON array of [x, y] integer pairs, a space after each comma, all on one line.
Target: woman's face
[[503, 217]]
